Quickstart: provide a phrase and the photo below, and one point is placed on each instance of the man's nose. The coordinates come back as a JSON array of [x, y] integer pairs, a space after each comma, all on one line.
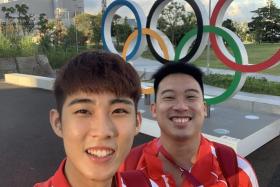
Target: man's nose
[[103, 127], [180, 105]]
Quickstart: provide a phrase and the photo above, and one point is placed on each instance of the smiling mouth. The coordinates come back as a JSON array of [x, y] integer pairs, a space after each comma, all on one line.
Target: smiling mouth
[[100, 152], [180, 119]]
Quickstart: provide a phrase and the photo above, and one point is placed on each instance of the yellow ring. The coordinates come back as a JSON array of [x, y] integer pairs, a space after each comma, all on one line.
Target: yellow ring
[[146, 31]]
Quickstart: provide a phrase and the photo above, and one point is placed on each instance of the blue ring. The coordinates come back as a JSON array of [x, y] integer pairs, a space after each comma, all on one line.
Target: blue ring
[[139, 27]]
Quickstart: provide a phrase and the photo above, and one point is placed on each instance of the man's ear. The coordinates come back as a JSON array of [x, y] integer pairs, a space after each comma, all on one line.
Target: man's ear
[[56, 122], [205, 109], [153, 110], [138, 122]]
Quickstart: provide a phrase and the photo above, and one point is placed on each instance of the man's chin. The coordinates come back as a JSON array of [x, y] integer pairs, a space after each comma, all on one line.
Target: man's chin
[[100, 176]]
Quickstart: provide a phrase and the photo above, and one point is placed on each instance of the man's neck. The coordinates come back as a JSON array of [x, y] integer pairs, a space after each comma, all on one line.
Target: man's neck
[[76, 179], [183, 152]]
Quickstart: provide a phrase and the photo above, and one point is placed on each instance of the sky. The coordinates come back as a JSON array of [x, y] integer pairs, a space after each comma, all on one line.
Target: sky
[[239, 10]]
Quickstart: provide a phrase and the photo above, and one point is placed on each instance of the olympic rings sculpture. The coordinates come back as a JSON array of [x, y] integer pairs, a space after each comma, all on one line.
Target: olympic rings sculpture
[[162, 48]]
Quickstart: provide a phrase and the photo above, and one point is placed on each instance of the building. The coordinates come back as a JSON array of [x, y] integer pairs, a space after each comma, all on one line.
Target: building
[[65, 9]]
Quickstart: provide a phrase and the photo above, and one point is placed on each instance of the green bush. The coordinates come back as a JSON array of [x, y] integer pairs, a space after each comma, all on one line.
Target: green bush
[[6, 49], [20, 46], [58, 55], [26, 46], [252, 85]]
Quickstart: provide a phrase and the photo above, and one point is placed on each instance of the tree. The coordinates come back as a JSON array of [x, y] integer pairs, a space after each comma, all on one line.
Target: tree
[[174, 21], [43, 24], [59, 32], [25, 20], [70, 37], [44, 28], [122, 31], [96, 29], [228, 23], [9, 25], [8, 11], [21, 10], [266, 25], [242, 30], [115, 22], [82, 22]]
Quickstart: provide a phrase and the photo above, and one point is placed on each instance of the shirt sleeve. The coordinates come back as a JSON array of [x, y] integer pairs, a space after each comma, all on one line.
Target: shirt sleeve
[[246, 176]]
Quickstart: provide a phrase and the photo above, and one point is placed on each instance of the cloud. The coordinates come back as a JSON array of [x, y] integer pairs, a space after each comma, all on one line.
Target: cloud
[[239, 10]]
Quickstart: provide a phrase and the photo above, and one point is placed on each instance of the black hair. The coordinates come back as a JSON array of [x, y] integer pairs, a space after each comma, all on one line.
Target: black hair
[[97, 72], [173, 68]]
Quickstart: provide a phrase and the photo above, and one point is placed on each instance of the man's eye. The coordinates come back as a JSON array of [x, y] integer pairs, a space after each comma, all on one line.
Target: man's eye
[[82, 111], [168, 97], [120, 111], [191, 97]]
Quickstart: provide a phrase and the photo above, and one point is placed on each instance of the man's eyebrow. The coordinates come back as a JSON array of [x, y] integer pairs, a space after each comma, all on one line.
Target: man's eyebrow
[[186, 91], [166, 91], [121, 100], [192, 90], [81, 100]]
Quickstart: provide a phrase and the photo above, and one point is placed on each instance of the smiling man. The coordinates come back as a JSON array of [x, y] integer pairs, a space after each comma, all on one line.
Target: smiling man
[[96, 116], [181, 156]]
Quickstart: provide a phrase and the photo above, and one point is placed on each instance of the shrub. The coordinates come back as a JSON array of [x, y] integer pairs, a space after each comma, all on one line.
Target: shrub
[[26, 46], [252, 84], [6, 49]]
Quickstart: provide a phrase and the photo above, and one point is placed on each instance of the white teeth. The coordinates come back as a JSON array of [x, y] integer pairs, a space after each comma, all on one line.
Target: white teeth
[[180, 120], [99, 153]]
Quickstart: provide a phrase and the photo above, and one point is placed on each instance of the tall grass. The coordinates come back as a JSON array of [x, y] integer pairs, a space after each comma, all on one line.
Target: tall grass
[[59, 55], [6, 49], [22, 46]]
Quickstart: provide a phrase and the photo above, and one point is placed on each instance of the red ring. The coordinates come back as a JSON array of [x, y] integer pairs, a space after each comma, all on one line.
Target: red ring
[[231, 64]]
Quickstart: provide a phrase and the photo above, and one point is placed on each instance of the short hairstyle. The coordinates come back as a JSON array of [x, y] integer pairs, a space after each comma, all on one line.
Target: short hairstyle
[[97, 72], [174, 68]]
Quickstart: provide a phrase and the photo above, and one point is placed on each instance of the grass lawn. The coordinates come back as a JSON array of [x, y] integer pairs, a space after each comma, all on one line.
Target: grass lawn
[[256, 53]]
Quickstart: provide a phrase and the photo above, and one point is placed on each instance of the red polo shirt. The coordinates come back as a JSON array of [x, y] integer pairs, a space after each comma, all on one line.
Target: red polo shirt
[[59, 179], [206, 168]]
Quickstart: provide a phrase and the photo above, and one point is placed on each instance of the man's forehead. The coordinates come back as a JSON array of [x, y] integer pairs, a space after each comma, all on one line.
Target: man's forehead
[[93, 98], [173, 80]]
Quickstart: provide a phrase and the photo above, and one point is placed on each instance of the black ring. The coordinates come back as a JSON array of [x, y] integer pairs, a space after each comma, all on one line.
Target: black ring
[[198, 39]]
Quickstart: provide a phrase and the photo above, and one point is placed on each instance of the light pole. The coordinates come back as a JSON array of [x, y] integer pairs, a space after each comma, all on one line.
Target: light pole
[[76, 33], [208, 44], [75, 24]]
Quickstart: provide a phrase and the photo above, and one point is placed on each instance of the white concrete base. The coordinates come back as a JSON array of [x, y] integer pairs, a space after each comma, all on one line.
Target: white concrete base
[[30, 80], [243, 147]]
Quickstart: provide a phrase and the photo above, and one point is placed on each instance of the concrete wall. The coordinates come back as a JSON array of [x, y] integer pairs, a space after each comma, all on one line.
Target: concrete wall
[[7, 65], [32, 65]]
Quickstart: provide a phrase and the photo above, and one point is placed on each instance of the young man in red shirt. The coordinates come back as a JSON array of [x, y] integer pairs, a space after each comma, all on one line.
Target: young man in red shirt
[[181, 156], [96, 116]]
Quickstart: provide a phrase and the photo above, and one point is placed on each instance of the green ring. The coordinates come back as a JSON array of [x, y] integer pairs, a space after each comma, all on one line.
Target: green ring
[[237, 55]]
